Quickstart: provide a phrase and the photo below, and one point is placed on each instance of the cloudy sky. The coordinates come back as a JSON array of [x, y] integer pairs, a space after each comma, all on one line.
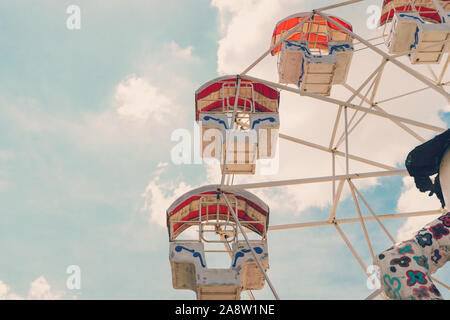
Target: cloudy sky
[[86, 120]]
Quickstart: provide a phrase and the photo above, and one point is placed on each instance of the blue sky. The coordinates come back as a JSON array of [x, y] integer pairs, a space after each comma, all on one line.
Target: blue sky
[[59, 200], [82, 165]]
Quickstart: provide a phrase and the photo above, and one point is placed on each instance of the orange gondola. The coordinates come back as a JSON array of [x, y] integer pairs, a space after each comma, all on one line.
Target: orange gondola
[[312, 53]]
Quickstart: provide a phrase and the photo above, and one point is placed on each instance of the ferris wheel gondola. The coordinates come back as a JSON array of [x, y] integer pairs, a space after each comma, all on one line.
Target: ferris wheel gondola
[[239, 120], [420, 28], [314, 52], [214, 212], [316, 55]]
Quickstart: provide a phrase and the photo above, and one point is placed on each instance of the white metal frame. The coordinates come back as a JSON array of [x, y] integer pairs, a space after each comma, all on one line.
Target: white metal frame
[[373, 108]]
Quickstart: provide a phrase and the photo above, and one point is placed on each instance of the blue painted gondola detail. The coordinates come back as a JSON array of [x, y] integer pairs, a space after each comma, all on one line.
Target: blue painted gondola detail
[[195, 254], [410, 16], [308, 54], [338, 47], [271, 119], [301, 46], [416, 39], [242, 253], [300, 78], [216, 119]]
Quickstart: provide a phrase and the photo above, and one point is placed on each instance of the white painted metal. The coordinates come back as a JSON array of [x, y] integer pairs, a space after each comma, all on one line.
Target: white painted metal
[[336, 201], [373, 109], [372, 212], [336, 152], [230, 253], [365, 82], [377, 107], [250, 247], [444, 69], [337, 5], [373, 295], [409, 70], [280, 183], [406, 94], [355, 220], [363, 226], [343, 103], [349, 245], [265, 54]]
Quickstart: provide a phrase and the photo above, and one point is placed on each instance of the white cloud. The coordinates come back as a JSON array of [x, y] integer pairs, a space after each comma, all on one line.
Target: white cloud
[[39, 289], [137, 99], [182, 53], [412, 200], [142, 111], [144, 107], [5, 292], [247, 28], [159, 195], [153, 94]]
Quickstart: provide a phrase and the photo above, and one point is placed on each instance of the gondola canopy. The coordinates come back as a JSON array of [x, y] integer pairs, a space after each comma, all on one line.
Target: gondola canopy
[[317, 31]]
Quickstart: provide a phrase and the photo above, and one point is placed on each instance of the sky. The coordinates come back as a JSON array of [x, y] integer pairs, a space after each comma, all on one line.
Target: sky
[[87, 118]]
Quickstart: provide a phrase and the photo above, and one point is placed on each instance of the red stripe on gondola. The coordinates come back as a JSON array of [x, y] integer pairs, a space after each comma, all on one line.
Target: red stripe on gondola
[[241, 103], [313, 37], [424, 12], [262, 89], [197, 197], [223, 210]]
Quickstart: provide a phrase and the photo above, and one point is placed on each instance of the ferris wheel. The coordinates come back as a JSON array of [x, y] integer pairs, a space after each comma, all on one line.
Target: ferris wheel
[[239, 120]]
